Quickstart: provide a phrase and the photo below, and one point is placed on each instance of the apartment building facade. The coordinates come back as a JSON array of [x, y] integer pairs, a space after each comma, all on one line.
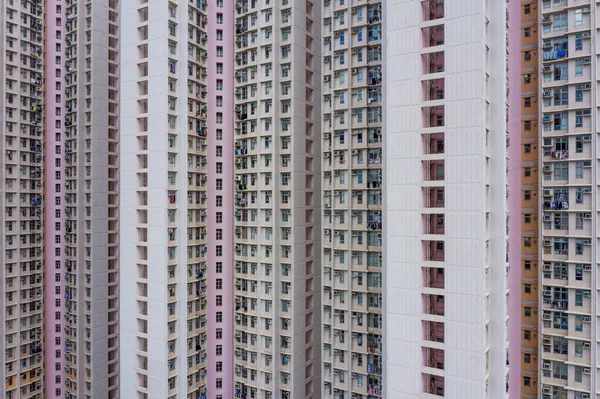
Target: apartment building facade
[[352, 328], [567, 108], [177, 199], [524, 55], [445, 175], [277, 203], [22, 213], [59, 209]]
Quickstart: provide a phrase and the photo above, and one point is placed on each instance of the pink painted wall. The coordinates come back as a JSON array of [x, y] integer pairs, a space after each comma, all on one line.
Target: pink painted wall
[[514, 199], [50, 131], [228, 28]]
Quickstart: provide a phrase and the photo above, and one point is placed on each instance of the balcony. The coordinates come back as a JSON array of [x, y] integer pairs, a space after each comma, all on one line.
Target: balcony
[[433, 89], [433, 224], [433, 358], [434, 197], [433, 304], [433, 384], [432, 9], [433, 251], [433, 36], [433, 170], [433, 62], [433, 277], [433, 116]]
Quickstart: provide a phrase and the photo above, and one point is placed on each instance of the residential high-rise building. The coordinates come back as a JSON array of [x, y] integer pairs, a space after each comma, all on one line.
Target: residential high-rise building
[[22, 210], [169, 123], [565, 79], [352, 199], [87, 98], [60, 199], [445, 236], [523, 165], [277, 199]]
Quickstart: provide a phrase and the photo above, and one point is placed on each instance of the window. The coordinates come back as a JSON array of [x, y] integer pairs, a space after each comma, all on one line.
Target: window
[[561, 171], [219, 151], [579, 169], [527, 288], [219, 217], [578, 42], [527, 195], [219, 167], [527, 126], [219, 68], [219, 35], [579, 93], [527, 172], [220, 51], [219, 367], [219, 267], [219, 19], [578, 297], [220, 84], [219, 317], [219, 284], [527, 335], [579, 16], [219, 184], [527, 32], [219, 350], [527, 311], [527, 78], [527, 242], [527, 9], [527, 56], [578, 67], [579, 117], [219, 300], [219, 333], [219, 250], [527, 265], [561, 96], [559, 370], [527, 102]]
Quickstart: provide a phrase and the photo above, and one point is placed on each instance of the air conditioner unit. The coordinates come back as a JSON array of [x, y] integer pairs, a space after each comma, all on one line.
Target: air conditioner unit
[[587, 294], [587, 215], [546, 390], [547, 118], [587, 268], [587, 60], [547, 168], [547, 266], [547, 241], [586, 35], [547, 193], [547, 93], [547, 366], [586, 371], [587, 86], [587, 319], [587, 345], [354, 71], [547, 341]]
